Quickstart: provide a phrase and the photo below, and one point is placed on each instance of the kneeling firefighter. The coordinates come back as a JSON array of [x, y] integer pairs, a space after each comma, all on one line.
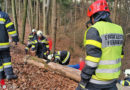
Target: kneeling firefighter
[[41, 46], [32, 36], [61, 57], [103, 41]]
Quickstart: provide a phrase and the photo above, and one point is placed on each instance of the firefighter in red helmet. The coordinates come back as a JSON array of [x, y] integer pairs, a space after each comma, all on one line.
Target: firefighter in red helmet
[[103, 41]]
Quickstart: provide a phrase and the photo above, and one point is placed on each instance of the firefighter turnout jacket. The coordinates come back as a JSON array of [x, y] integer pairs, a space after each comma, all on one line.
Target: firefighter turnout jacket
[[31, 38], [6, 27], [62, 57], [41, 46], [103, 42]]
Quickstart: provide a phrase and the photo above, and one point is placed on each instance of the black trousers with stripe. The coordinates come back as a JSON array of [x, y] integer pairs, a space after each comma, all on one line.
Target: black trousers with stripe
[[5, 64]]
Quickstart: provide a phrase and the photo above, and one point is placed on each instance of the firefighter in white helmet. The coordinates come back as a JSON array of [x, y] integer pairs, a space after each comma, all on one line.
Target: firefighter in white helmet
[[32, 36], [126, 81], [40, 45]]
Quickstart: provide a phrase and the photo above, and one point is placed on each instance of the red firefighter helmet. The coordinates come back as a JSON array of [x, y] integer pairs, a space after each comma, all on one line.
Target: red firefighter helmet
[[99, 5]]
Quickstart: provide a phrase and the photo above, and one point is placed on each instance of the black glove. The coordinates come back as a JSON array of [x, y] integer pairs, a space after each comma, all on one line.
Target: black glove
[[26, 51], [15, 39], [56, 60]]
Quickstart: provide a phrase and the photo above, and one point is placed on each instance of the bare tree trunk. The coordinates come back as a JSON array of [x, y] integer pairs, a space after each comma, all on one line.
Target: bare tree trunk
[[115, 10], [46, 10], [120, 11], [29, 17], [32, 14], [6, 6], [54, 24], [75, 11], [24, 20], [19, 9], [14, 15], [68, 72], [37, 15]]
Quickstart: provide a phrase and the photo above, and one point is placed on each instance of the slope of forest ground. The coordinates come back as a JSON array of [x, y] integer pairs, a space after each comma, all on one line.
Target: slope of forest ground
[[32, 77]]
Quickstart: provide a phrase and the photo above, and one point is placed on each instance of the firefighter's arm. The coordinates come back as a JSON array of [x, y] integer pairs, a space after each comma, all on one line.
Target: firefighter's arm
[[92, 43], [122, 54], [123, 82], [29, 37], [11, 29], [47, 44]]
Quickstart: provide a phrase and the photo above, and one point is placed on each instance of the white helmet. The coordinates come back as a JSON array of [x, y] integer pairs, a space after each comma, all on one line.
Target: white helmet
[[127, 72], [33, 30], [50, 56], [39, 33]]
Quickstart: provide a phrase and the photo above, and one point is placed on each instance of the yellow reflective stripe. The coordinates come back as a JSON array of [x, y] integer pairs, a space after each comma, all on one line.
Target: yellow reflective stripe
[[100, 79], [128, 82], [94, 43], [68, 54], [9, 24], [27, 48], [5, 64], [30, 36], [1, 67], [82, 86], [93, 59], [45, 53], [57, 57], [2, 44], [58, 52], [2, 19], [33, 46], [122, 56], [12, 32], [47, 46], [35, 41], [44, 41], [123, 82]]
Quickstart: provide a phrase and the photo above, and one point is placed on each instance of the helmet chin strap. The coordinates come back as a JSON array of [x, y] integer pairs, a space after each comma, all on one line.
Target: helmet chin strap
[[89, 22]]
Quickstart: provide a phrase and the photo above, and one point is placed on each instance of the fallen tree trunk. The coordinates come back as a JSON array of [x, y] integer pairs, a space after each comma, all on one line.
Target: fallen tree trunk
[[71, 73]]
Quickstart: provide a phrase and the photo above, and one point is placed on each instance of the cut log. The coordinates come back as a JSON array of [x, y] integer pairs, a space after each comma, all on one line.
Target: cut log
[[69, 72]]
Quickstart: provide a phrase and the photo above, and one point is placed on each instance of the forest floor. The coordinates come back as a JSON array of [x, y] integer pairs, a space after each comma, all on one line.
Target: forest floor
[[31, 77]]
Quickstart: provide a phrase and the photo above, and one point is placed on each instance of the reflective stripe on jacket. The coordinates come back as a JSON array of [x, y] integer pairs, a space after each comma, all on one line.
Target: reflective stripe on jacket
[[6, 27], [40, 45], [63, 57], [108, 50], [32, 37]]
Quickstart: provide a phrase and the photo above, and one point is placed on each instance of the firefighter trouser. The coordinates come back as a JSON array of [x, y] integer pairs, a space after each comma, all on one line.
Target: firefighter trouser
[[5, 64], [91, 86]]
